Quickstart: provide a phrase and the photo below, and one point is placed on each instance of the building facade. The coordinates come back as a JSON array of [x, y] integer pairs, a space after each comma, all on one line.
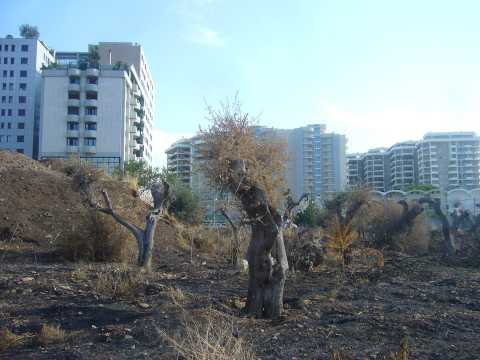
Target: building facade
[[403, 165], [96, 114], [354, 170], [375, 169], [21, 61], [449, 160]]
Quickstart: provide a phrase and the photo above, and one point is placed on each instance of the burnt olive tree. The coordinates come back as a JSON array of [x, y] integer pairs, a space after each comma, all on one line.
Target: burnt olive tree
[[252, 169]]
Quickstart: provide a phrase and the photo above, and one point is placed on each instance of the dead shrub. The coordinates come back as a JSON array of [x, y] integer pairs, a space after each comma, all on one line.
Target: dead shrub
[[8, 339], [340, 239], [417, 240], [212, 336], [119, 282], [51, 334], [404, 353]]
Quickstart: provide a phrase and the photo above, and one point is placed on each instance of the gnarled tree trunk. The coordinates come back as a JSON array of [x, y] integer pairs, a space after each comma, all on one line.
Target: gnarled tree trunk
[[145, 237]]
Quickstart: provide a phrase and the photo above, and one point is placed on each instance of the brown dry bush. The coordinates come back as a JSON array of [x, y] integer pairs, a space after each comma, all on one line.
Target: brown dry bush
[[8, 339], [51, 334], [118, 281], [210, 336]]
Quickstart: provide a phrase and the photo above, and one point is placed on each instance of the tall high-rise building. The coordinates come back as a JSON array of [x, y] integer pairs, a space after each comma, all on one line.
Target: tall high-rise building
[[21, 61], [96, 113], [402, 163], [449, 160]]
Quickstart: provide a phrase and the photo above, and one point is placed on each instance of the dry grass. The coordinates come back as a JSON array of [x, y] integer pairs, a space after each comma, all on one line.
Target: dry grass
[[51, 334], [404, 353], [119, 282], [9, 340], [212, 336]]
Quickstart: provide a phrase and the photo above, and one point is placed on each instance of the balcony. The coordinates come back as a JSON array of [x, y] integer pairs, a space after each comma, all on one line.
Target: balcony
[[72, 149], [74, 72], [90, 133], [90, 118], [73, 87], [91, 87], [73, 102], [89, 149], [139, 139], [73, 118], [90, 102], [92, 72], [73, 133]]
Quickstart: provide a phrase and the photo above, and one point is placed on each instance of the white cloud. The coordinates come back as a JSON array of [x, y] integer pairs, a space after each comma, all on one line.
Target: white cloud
[[161, 142], [207, 37]]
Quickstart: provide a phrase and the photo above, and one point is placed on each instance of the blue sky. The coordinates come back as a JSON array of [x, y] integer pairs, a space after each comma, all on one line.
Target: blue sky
[[378, 71]]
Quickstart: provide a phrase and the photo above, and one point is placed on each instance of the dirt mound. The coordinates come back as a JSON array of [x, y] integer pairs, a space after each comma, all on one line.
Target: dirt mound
[[39, 205]]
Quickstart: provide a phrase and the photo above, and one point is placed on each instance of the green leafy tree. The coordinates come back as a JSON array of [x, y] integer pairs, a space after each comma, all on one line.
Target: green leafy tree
[[146, 175], [29, 31]]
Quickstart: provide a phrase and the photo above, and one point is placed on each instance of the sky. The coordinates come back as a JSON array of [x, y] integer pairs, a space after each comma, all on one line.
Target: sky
[[377, 71]]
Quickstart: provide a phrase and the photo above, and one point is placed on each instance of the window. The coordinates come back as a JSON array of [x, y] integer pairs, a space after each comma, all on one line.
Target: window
[[5, 60], [73, 95], [2, 112], [20, 151], [4, 99], [2, 125], [11, 73], [9, 125], [2, 138], [20, 138], [6, 47], [73, 110], [72, 125], [92, 95], [90, 141], [12, 61], [10, 99], [23, 86], [4, 86], [13, 48], [23, 73], [5, 72], [10, 86], [8, 137], [21, 112], [24, 60], [91, 111], [21, 125], [90, 126], [92, 80], [22, 99], [24, 47], [74, 80], [72, 141], [0, 47], [9, 112]]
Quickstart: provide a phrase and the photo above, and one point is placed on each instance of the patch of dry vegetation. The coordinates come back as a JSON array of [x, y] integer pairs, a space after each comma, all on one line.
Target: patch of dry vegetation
[[210, 336], [119, 282], [8, 339], [51, 334]]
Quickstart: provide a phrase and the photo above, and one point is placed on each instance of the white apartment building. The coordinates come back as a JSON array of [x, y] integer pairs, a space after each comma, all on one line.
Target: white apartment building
[[354, 170], [96, 113], [112, 53], [449, 160], [21, 61], [179, 160], [402, 162], [375, 171]]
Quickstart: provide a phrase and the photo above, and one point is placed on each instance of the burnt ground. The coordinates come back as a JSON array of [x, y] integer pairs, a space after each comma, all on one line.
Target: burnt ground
[[362, 316]]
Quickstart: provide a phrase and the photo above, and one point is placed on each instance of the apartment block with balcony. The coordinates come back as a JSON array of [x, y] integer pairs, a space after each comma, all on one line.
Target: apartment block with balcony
[[402, 161], [449, 160], [179, 160], [21, 61], [375, 169], [95, 113], [354, 170]]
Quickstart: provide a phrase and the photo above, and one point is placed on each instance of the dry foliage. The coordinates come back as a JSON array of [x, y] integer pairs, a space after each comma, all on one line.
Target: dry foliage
[[340, 238], [231, 136], [119, 282], [212, 336], [51, 334], [404, 352], [8, 339]]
